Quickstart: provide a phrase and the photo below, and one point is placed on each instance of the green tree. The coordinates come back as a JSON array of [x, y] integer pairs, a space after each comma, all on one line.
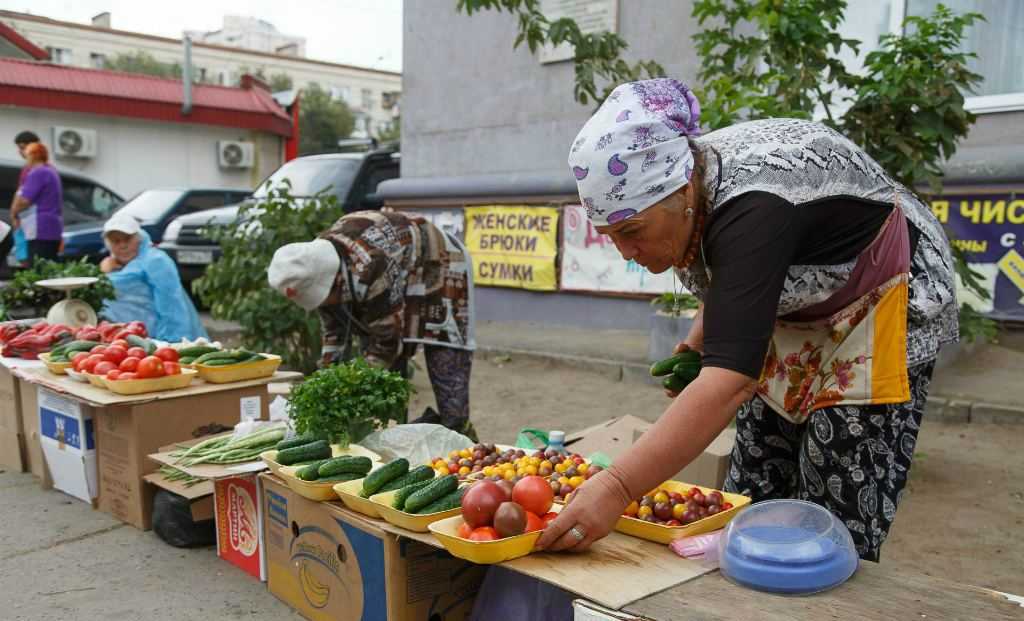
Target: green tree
[[393, 133], [773, 58], [280, 82], [142, 62], [323, 121]]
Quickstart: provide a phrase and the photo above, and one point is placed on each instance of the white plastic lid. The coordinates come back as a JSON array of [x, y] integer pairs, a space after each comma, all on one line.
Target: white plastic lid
[[556, 437]]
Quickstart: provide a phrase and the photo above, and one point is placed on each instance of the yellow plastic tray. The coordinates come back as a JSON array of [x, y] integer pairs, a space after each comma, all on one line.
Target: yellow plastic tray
[[483, 552], [96, 380], [57, 368], [239, 372], [415, 522], [320, 492], [157, 384], [348, 493], [270, 457], [659, 533]]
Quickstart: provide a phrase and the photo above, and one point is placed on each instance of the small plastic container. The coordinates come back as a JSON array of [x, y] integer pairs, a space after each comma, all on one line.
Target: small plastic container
[[790, 547], [556, 441]]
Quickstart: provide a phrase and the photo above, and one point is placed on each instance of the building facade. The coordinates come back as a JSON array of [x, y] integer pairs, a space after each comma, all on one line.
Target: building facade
[[252, 34], [371, 94]]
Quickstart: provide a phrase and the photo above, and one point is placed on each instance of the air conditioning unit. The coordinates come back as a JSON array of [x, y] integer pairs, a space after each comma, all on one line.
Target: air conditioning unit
[[74, 142], [235, 154]]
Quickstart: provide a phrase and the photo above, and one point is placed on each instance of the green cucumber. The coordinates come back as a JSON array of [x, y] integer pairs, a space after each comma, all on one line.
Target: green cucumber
[[417, 474], [347, 463], [296, 441], [436, 490], [137, 341], [674, 383], [383, 475], [310, 472], [186, 360], [344, 477], [196, 350], [664, 367], [318, 449], [451, 500], [402, 494], [77, 346], [686, 370], [223, 354], [218, 362]]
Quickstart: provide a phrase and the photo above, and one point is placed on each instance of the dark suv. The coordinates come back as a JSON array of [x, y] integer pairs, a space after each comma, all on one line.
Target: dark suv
[[351, 177]]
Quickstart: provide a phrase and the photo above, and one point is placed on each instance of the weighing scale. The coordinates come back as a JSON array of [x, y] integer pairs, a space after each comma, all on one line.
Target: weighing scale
[[71, 312]]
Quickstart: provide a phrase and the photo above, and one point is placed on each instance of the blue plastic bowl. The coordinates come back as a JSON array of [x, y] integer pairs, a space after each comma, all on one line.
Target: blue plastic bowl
[[787, 546]]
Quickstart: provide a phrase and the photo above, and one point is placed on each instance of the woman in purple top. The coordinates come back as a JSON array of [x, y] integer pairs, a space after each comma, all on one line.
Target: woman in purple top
[[38, 206]]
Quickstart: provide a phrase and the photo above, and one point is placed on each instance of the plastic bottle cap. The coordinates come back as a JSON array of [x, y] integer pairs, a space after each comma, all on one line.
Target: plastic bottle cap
[[556, 437]]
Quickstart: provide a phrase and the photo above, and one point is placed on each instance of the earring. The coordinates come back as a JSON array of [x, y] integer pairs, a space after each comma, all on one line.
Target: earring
[[688, 211]]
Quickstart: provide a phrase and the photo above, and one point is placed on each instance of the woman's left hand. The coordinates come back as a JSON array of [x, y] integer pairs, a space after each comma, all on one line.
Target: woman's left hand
[[109, 264], [591, 515]]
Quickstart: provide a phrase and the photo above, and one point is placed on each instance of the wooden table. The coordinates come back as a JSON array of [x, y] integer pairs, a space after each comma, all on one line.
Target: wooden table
[[876, 592]]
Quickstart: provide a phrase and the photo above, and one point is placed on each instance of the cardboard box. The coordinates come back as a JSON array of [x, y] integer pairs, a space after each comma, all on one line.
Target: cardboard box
[[239, 513], [332, 564], [199, 495], [32, 448], [711, 466], [69, 444], [12, 430]]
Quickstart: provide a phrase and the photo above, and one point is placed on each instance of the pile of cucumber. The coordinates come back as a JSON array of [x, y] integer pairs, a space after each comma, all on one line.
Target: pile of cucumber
[[416, 490], [316, 464], [679, 370], [210, 356]]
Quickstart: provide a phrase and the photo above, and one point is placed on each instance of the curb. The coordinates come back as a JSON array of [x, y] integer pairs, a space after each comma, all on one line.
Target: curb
[[958, 409]]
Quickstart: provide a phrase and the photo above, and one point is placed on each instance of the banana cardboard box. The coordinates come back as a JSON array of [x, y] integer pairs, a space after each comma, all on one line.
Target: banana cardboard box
[[332, 564]]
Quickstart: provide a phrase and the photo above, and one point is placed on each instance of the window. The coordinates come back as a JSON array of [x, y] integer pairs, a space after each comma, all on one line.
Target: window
[[200, 201], [342, 93], [59, 55], [389, 100], [97, 60], [150, 206], [367, 99]]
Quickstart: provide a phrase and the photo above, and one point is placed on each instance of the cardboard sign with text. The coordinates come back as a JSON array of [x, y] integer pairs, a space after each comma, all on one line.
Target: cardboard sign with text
[[69, 444], [513, 246], [331, 564], [239, 515]]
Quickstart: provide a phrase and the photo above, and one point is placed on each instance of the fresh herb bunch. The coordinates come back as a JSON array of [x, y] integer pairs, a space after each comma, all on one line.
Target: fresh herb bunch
[[347, 402], [22, 292]]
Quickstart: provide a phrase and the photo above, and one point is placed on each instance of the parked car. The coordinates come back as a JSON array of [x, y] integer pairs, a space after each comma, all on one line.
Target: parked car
[[154, 209], [85, 199], [351, 177]]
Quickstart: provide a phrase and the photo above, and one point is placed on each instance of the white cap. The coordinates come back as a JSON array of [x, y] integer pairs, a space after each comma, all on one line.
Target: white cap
[[304, 272], [556, 437], [122, 223]]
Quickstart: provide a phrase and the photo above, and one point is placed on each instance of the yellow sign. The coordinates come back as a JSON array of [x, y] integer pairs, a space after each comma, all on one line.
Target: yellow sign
[[513, 246], [1012, 265]]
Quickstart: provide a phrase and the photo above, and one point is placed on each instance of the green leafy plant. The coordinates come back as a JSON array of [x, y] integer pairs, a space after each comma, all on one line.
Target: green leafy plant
[[347, 402], [675, 303], [235, 286], [22, 293], [323, 119]]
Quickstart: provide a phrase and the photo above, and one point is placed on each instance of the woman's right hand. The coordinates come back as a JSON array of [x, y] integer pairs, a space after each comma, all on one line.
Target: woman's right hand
[[109, 264]]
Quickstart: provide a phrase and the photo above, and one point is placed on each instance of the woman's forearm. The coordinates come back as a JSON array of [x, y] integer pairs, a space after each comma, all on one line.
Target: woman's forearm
[[18, 205], [695, 339], [687, 427]]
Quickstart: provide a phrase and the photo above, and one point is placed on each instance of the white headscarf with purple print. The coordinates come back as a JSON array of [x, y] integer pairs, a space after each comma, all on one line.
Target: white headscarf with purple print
[[633, 152]]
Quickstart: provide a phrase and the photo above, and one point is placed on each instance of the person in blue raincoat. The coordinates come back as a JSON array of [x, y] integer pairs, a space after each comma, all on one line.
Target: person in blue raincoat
[[147, 284]]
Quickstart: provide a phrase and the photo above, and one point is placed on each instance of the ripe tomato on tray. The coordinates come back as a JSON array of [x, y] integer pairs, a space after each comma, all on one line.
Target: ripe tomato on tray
[[172, 368], [167, 354], [115, 354], [136, 352], [130, 364], [150, 367]]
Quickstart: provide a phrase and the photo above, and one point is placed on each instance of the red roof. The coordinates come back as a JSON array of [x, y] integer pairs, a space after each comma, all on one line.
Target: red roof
[[22, 43], [113, 93]]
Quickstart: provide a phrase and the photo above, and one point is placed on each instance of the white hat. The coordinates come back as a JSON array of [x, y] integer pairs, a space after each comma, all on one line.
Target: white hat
[[304, 272], [122, 223]]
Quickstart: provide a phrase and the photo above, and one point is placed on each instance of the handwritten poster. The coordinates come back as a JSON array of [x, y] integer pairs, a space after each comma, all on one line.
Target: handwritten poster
[[590, 261], [513, 246]]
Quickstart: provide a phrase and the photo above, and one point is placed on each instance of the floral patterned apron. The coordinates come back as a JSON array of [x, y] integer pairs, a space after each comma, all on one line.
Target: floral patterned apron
[[852, 347]]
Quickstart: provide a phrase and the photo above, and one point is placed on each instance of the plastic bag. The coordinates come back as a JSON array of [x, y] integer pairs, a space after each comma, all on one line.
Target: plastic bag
[[417, 442], [703, 548], [279, 410], [173, 523], [529, 437], [506, 594]]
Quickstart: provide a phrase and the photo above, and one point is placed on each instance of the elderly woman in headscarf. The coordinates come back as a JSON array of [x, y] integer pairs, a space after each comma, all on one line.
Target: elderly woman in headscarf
[[146, 283], [827, 290]]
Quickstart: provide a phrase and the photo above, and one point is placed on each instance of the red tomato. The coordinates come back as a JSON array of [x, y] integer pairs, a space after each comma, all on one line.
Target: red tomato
[[127, 376], [136, 352], [480, 502], [548, 517], [115, 354], [484, 533], [533, 522], [150, 367], [90, 363], [121, 343], [534, 494], [104, 367], [167, 354], [172, 368], [113, 375], [129, 364], [78, 359], [99, 349], [464, 531]]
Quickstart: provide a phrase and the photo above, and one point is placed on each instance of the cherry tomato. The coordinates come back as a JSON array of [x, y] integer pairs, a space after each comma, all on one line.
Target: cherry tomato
[[533, 523], [464, 530], [172, 368], [484, 533], [150, 367], [104, 367], [113, 375], [115, 354], [534, 494], [99, 349], [90, 363], [78, 359], [130, 364], [127, 376], [120, 343], [167, 354], [136, 352]]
